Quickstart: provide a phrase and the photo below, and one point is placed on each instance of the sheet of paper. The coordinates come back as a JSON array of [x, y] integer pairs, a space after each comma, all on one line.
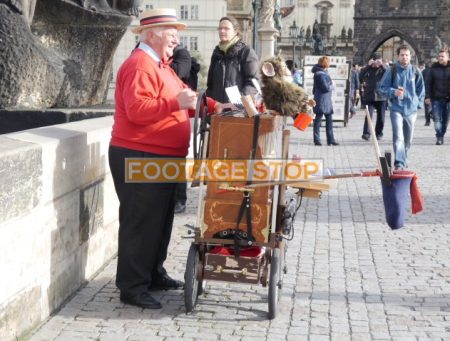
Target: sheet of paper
[[257, 86], [234, 96]]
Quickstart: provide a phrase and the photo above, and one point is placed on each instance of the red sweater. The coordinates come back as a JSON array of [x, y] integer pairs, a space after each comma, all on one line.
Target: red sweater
[[147, 115]]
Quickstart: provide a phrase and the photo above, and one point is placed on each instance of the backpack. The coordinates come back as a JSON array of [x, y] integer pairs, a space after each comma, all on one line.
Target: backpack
[[394, 72]]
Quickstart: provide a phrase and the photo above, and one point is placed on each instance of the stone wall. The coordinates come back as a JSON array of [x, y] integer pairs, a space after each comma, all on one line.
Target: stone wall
[[421, 23], [58, 218]]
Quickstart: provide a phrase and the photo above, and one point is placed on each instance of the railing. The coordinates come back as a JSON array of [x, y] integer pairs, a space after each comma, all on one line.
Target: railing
[[297, 48]]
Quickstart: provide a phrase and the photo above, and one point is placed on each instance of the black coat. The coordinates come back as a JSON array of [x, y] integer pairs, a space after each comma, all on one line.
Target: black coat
[[370, 78], [238, 67], [437, 82], [181, 63]]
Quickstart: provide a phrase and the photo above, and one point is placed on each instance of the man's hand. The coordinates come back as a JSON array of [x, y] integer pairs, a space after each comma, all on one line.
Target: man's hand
[[187, 99], [428, 101], [399, 92]]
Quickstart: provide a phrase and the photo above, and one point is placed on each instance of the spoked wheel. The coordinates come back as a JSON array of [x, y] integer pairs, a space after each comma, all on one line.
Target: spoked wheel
[[274, 283], [200, 126], [192, 286]]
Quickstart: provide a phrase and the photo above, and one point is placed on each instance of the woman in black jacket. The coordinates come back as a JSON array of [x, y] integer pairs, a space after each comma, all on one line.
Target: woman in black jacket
[[232, 63]]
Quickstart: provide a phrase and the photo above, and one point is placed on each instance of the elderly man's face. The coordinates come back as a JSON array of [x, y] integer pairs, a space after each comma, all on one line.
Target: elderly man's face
[[163, 41]]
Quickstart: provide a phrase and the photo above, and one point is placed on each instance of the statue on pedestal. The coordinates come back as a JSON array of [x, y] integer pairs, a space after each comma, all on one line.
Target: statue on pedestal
[[343, 34], [350, 34], [308, 33], [315, 30], [318, 45], [266, 16], [277, 16]]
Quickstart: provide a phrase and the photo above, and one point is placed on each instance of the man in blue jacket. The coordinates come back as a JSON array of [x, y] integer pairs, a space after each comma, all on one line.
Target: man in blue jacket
[[403, 86]]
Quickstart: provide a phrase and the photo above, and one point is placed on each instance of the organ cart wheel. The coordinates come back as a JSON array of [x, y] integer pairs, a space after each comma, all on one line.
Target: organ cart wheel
[[274, 282], [192, 285], [200, 126]]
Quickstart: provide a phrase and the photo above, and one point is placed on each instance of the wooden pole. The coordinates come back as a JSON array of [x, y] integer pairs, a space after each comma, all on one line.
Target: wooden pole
[[373, 138]]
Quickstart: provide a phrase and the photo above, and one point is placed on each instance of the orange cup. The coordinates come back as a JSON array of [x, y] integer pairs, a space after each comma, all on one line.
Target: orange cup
[[302, 121]]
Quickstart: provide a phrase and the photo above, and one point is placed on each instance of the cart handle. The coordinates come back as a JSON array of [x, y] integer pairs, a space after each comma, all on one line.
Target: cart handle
[[227, 188], [231, 271]]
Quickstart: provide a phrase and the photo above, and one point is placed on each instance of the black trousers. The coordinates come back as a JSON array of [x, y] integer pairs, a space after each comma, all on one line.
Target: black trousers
[[145, 224], [180, 193], [380, 107]]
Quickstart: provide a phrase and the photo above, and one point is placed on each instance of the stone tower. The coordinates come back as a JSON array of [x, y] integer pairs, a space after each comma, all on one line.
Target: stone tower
[[423, 24]]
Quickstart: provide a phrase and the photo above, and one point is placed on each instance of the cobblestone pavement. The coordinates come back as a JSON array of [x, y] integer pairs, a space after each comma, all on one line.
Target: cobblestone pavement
[[349, 276]]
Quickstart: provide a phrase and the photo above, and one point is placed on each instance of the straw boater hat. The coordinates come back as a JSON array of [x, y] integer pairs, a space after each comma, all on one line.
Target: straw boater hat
[[158, 17]]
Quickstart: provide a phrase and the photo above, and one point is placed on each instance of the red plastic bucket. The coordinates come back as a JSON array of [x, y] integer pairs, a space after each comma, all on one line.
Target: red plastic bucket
[[302, 121]]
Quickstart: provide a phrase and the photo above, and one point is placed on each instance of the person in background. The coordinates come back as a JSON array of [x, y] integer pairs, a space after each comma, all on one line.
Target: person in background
[[181, 64], [297, 75], [370, 77], [232, 63], [438, 94], [403, 85], [151, 120], [354, 89], [424, 69], [322, 90]]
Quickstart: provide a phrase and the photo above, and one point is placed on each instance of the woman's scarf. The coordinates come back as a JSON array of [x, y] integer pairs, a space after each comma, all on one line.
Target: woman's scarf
[[226, 45]]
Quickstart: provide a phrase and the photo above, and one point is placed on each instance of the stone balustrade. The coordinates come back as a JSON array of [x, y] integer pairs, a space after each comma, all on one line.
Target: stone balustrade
[[58, 218]]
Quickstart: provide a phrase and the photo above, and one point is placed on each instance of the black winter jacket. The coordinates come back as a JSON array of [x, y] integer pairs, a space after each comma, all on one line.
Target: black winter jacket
[[370, 77], [237, 67], [437, 83]]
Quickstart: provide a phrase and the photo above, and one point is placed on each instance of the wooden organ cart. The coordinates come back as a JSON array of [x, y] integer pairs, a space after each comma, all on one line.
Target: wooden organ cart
[[239, 233]]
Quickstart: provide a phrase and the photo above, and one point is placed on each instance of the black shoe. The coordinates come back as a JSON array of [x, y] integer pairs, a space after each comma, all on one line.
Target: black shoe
[[143, 300], [166, 283], [439, 141], [333, 144], [179, 207], [317, 143], [365, 137], [427, 123]]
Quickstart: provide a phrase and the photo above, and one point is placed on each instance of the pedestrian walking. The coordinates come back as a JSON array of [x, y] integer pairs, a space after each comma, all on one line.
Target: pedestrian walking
[[438, 94], [370, 77], [354, 89], [403, 85], [427, 107]]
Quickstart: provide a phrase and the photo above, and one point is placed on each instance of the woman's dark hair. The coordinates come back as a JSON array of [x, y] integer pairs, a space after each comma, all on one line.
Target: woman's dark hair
[[233, 22]]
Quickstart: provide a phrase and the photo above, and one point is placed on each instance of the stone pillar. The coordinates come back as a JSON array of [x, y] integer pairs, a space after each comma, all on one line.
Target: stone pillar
[[267, 31]]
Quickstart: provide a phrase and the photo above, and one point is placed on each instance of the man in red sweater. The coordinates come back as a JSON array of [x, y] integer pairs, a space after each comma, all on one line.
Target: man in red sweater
[[151, 120]]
